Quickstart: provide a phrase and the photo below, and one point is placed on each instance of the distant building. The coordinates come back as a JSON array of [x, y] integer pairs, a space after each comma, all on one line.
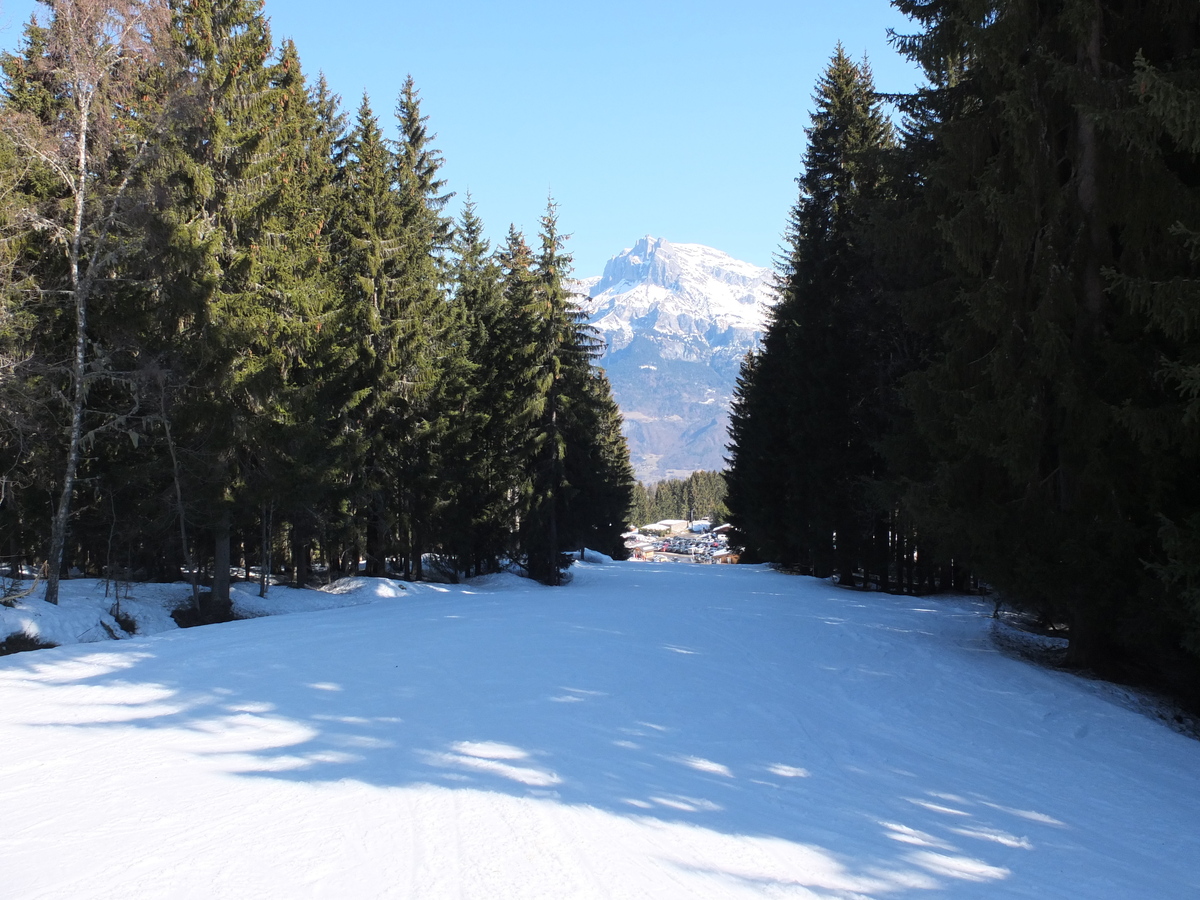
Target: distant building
[[673, 526]]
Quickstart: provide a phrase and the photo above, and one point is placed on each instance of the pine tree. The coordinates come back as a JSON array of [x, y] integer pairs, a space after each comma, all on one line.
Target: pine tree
[[575, 434], [372, 323], [420, 278], [1039, 407], [802, 424], [224, 184]]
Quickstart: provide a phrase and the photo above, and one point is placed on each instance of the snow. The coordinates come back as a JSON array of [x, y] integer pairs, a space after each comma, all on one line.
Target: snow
[[677, 321], [647, 731], [690, 291], [84, 613]]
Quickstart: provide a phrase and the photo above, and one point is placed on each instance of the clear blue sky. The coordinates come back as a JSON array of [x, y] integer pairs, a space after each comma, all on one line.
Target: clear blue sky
[[684, 120]]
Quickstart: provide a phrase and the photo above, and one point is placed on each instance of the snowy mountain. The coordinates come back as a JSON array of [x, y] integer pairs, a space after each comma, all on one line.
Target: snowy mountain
[[677, 319]]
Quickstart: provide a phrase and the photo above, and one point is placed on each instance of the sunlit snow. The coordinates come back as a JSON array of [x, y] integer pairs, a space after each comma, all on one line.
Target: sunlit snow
[[649, 731]]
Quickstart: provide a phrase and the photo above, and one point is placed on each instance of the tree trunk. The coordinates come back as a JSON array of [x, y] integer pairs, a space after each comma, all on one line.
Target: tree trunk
[[301, 551], [415, 548], [376, 546], [193, 572], [79, 286], [220, 581], [1088, 646], [264, 554]]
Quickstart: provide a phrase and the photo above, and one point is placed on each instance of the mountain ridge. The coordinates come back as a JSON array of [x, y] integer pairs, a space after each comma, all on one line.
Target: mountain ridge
[[677, 319]]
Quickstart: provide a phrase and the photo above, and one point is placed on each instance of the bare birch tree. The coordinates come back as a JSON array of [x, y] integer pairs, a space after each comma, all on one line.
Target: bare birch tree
[[93, 141]]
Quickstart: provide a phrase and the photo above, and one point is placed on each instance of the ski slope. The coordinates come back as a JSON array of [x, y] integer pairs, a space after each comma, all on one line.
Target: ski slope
[[650, 731]]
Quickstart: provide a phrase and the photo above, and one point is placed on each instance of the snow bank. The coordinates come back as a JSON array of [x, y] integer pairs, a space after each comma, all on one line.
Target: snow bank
[[84, 611], [590, 557], [86, 607], [286, 600]]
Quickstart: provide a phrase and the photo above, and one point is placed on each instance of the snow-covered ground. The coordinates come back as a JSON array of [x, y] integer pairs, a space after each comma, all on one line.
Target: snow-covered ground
[[650, 731], [87, 608]]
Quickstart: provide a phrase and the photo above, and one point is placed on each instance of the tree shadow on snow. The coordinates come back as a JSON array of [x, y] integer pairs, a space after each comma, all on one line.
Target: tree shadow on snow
[[720, 714]]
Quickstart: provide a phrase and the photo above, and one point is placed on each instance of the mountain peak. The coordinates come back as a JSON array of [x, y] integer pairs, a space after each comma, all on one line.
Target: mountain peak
[[685, 291], [649, 261], [676, 267], [677, 320]]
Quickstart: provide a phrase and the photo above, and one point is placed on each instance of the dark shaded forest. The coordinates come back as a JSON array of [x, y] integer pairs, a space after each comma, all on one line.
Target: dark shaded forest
[[984, 366]]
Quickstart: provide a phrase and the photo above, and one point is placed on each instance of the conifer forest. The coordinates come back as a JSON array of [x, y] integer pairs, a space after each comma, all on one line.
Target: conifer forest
[[238, 331], [699, 496], [984, 366]]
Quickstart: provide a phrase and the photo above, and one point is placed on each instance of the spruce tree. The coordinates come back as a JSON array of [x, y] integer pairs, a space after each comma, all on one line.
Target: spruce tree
[[478, 475], [598, 477], [1040, 408], [802, 425], [580, 477], [223, 181], [420, 279], [291, 477], [372, 323]]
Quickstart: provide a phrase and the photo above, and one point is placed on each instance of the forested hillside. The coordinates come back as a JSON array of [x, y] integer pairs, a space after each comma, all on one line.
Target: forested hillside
[[237, 328], [699, 496], [984, 359]]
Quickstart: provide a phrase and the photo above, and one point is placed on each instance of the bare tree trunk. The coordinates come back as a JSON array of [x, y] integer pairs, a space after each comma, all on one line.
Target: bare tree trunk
[[376, 540], [92, 44], [183, 536], [58, 531], [301, 556], [264, 562], [220, 581]]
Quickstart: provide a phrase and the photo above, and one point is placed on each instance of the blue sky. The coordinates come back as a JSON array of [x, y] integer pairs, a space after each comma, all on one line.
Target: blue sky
[[684, 120]]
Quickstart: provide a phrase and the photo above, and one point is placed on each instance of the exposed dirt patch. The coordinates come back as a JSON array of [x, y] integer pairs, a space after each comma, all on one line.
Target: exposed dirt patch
[[20, 642]]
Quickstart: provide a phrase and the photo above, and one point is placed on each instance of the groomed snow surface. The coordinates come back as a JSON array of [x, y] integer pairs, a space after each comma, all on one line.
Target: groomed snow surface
[[650, 731]]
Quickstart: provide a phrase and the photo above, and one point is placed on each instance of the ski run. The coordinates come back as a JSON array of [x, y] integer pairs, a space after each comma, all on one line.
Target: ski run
[[649, 731]]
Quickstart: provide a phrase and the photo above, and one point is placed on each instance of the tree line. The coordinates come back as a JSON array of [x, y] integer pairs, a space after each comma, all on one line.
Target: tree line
[[237, 328], [699, 496], [985, 358]]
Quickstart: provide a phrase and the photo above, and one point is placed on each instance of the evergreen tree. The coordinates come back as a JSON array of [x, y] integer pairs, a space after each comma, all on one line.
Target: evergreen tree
[[760, 455], [803, 425], [641, 511], [598, 477], [296, 289], [1039, 407], [224, 185], [420, 277], [478, 475], [556, 341], [1157, 274], [575, 431], [373, 322], [522, 385], [701, 495]]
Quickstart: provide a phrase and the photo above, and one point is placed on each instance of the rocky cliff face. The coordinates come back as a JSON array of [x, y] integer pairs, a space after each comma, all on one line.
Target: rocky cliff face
[[677, 319]]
